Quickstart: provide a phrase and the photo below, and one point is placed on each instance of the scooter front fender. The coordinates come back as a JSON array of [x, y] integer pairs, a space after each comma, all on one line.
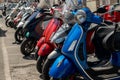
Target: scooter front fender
[[40, 42], [20, 24], [8, 18], [45, 49], [61, 68]]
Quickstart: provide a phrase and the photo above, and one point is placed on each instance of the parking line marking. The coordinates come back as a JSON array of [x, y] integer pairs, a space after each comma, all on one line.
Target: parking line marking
[[6, 61]]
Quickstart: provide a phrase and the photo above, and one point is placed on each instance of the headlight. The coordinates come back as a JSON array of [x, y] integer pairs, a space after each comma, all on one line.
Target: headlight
[[69, 17], [80, 16]]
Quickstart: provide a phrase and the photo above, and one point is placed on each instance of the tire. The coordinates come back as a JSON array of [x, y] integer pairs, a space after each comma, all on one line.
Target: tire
[[36, 53], [46, 67], [11, 23], [19, 35], [6, 17], [40, 62], [27, 46], [6, 22]]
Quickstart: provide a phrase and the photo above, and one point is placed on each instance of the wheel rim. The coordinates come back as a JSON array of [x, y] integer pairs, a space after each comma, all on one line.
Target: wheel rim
[[28, 47]]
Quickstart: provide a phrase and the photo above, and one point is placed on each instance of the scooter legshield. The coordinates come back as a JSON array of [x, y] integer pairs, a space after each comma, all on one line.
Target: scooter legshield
[[61, 68], [45, 49]]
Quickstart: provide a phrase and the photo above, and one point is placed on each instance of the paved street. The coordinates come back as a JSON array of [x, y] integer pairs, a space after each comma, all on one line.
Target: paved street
[[13, 65]]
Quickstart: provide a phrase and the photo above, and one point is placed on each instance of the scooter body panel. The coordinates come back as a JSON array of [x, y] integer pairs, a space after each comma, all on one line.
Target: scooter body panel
[[89, 45], [74, 46], [51, 28], [32, 21], [61, 34]]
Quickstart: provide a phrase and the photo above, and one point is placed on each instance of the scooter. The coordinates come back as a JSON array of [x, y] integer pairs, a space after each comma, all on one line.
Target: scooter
[[13, 13], [58, 39], [53, 55], [44, 46], [18, 33], [89, 45], [109, 16], [74, 58], [32, 30], [13, 23]]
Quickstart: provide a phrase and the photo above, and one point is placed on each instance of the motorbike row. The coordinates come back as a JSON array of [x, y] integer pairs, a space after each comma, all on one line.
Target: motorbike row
[[72, 48]]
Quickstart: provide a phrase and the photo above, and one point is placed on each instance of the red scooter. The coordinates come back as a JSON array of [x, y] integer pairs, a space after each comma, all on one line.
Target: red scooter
[[44, 46], [113, 16]]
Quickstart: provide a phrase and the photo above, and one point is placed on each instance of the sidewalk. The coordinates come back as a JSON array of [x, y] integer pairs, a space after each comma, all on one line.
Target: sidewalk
[[92, 5]]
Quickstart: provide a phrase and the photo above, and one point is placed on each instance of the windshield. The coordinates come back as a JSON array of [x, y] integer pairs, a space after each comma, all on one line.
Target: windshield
[[74, 4]]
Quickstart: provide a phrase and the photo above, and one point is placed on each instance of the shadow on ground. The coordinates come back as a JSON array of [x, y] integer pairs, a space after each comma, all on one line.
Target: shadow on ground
[[3, 33], [30, 57]]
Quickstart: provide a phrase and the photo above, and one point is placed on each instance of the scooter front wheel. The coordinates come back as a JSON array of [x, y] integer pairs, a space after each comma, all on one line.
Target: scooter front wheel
[[11, 23], [6, 17], [40, 62], [46, 67], [6, 22], [27, 46], [19, 35], [36, 53]]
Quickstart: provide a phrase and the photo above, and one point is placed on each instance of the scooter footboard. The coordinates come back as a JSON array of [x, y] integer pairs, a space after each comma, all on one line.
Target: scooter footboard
[[61, 68]]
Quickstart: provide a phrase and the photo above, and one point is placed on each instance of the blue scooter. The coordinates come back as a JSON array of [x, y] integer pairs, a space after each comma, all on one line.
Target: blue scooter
[[74, 60]]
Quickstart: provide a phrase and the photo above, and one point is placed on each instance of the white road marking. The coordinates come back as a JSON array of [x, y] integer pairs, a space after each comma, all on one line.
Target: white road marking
[[6, 61]]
